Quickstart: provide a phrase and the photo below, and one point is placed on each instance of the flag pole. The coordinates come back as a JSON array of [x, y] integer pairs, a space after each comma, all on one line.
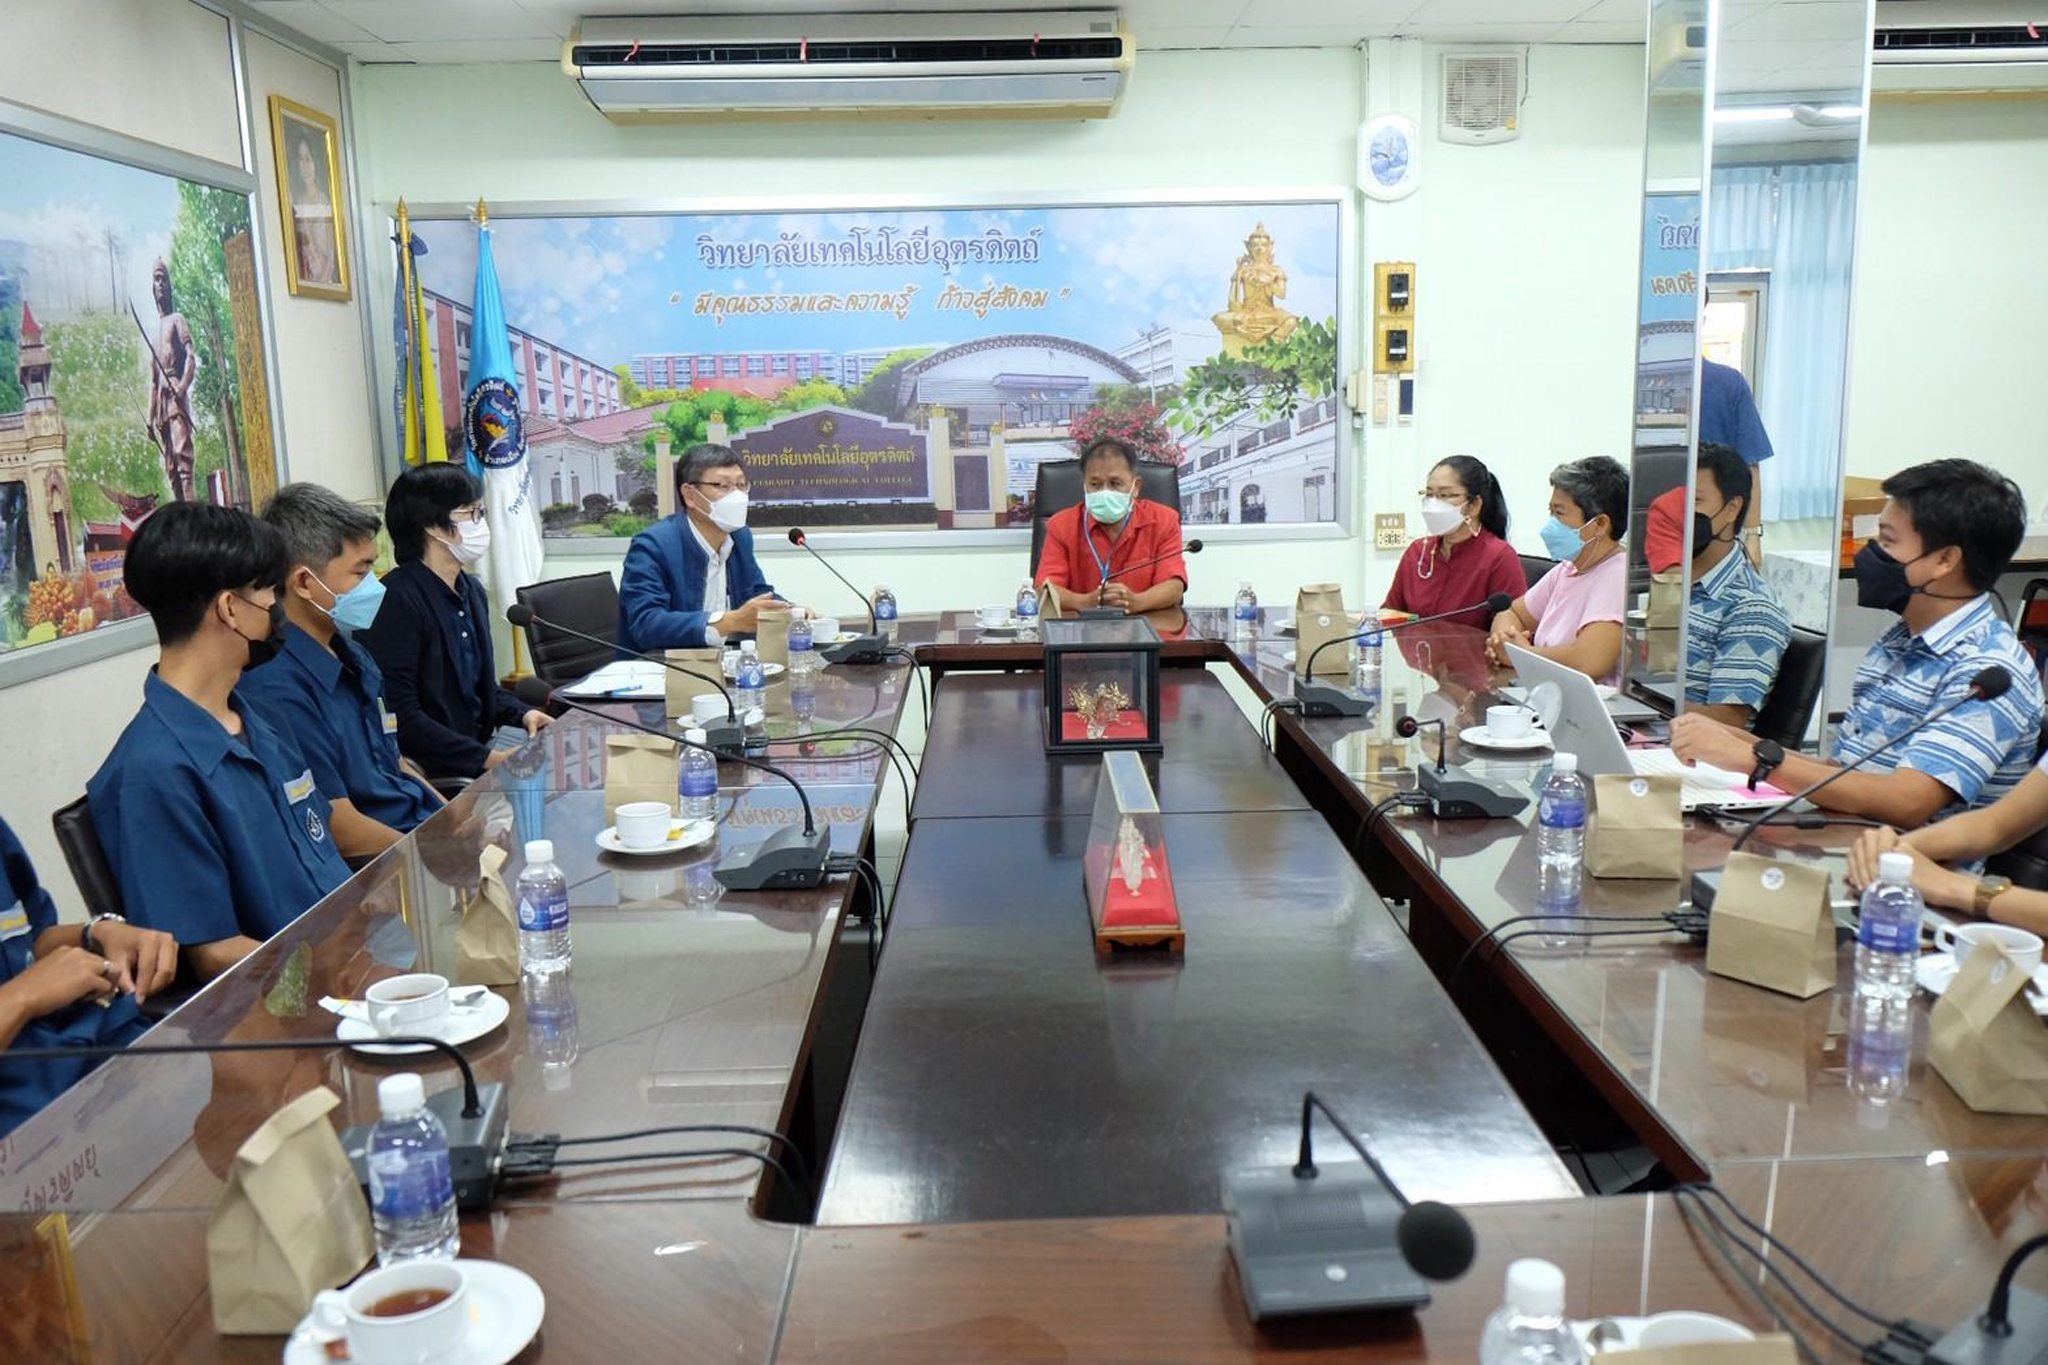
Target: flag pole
[[413, 454]]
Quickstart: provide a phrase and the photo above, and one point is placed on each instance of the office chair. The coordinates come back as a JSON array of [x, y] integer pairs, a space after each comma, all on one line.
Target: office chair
[[1534, 567], [589, 603], [1788, 706], [87, 859], [1059, 487]]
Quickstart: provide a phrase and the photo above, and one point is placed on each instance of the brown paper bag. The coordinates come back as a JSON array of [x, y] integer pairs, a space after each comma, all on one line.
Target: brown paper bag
[[1986, 1040], [1660, 634], [639, 768], [682, 688], [291, 1222], [1048, 602], [1771, 927], [772, 636], [1773, 1349], [1319, 617], [1637, 829], [487, 940]]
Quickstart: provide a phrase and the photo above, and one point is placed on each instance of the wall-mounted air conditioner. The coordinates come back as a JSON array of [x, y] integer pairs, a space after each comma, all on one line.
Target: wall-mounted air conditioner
[[1960, 45]]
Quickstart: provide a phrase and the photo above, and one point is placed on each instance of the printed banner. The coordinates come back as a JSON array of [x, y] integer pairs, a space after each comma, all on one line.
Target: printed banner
[[1669, 312], [893, 369]]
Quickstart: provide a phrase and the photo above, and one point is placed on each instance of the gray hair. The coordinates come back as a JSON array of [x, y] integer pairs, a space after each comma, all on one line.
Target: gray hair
[[1599, 487], [701, 459], [318, 524]]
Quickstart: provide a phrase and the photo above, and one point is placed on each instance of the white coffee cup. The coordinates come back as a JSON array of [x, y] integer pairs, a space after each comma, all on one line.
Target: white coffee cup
[[994, 614], [2022, 947], [1509, 722], [706, 707], [430, 1333], [414, 1003], [1689, 1329], [644, 824], [825, 629]]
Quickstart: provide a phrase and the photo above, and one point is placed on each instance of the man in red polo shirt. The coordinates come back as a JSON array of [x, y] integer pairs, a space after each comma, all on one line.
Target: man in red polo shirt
[[1116, 549]]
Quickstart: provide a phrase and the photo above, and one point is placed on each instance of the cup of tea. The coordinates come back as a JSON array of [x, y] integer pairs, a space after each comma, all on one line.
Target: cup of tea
[[1684, 1328], [994, 615], [2022, 947], [644, 824], [414, 1003], [824, 629], [706, 707], [399, 1315], [1509, 722]]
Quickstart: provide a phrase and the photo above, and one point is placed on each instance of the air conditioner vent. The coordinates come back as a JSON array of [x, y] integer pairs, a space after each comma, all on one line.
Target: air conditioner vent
[[824, 54]]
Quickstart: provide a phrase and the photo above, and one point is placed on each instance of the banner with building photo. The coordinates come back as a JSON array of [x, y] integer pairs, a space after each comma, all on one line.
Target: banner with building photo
[[1668, 316], [131, 374], [897, 369]]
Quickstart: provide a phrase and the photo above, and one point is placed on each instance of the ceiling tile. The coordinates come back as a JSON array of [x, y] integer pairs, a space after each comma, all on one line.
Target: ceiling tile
[[485, 50], [1478, 35], [401, 21], [1306, 35], [313, 20], [1614, 12], [1590, 31], [373, 51], [1360, 14], [1842, 21], [1177, 38], [1438, 13]]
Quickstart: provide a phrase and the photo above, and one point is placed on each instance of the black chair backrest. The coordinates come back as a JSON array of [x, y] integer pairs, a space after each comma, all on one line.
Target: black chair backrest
[[1059, 487], [1535, 566], [86, 859], [1654, 473], [1788, 707], [589, 603]]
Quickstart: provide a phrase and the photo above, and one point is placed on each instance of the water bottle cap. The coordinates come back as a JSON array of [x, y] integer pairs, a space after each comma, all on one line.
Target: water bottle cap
[[695, 734], [748, 647], [1535, 1289], [539, 851], [1895, 867], [1564, 763], [1024, 584], [1245, 586], [401, 1094], [881, 587]]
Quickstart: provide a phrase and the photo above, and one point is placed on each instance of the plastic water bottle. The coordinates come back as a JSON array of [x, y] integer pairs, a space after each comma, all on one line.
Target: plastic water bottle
[[803, 656], [543, 911], [1529, 1327], [885, 612], [412, 1186], [1560, 842], [1365, 670], [1244, 613], [551, 1026], [1880, 1054], [803, 690], [750, 684], [1027, 611], [697, 780], [1888, 937]]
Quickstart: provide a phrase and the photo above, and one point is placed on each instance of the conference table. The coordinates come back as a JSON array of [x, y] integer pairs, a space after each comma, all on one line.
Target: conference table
[[1012, 1148]]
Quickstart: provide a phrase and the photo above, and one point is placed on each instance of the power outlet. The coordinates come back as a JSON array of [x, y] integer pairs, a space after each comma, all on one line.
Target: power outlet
[[1389, 530]]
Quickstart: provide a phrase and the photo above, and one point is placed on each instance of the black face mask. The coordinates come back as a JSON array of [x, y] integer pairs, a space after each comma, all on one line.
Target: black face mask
[[1703, 533], [1881, 581], [264, 650]]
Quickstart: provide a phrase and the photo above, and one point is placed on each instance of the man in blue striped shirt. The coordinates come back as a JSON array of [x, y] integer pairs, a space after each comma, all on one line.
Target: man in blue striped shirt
[[1948, 531], [1735, 631]]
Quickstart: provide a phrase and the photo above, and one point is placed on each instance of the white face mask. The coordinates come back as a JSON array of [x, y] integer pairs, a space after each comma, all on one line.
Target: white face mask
[[474, 544], [1440, 518], [728, 512]]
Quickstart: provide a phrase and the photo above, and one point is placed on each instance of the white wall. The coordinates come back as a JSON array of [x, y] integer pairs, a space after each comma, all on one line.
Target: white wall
[[1534, 239], [1951, 323]]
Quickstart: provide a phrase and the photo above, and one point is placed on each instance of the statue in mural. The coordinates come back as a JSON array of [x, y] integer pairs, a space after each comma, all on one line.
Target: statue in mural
[[1256, 286], [175, 365]]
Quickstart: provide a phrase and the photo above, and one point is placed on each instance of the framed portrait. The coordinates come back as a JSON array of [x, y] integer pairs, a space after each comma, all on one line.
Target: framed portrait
[[307, 145]]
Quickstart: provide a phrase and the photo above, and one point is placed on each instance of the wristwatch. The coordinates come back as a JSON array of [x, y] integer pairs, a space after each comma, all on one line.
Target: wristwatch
[[1989, 889], [85, 934], [1769, 754]]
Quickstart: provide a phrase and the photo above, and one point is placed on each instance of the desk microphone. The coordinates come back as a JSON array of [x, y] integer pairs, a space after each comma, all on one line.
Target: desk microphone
[[1453, 793], [788, 859], [727, 736], [474, 1115], [2013, 1328], [1322, 699], [1101, 613], [871, 648]]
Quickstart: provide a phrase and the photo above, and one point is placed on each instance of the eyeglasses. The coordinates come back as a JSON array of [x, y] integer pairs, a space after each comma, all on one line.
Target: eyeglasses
[[740, 487], [1450, 495], [473, 512]]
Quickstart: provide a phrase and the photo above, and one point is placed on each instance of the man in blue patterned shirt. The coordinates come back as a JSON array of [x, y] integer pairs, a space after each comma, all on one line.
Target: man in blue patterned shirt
[[1735, 631], [1948, 531]]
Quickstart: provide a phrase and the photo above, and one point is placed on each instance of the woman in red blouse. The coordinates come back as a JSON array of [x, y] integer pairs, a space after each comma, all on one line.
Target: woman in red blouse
[[1465, 558]]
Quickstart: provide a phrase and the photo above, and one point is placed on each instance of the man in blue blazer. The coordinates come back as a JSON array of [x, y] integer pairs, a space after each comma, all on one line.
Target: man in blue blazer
[[691, 580]]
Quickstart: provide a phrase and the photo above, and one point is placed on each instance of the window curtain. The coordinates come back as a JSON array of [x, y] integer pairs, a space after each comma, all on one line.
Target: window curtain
[[1796, 221]]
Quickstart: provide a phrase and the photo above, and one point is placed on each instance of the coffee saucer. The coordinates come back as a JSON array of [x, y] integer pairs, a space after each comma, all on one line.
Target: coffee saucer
[[1936, 972], [505, 1311], [1009, 627], [1480, 737], [462, 1026], [682, 834]]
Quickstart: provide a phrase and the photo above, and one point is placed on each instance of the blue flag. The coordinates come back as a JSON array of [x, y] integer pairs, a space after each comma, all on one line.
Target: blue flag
[[494, 434]]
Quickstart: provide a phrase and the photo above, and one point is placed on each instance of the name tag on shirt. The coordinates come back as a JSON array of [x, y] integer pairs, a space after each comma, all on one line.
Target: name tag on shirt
[[390, 721], [13, 921], [299, 788]]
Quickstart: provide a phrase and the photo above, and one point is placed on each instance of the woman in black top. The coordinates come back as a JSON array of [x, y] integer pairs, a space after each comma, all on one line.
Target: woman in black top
[[432, 636]]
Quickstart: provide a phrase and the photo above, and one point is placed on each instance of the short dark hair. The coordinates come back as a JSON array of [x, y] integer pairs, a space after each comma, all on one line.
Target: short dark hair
[[189, 553], [1109, 447], [701, 459], [425, 498], [1961, 503], [1732, 474], [318, 524], [1598, 486], [1478, 482]]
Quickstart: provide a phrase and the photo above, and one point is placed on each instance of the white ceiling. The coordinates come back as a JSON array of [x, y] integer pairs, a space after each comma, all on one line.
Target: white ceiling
[[534, 30]]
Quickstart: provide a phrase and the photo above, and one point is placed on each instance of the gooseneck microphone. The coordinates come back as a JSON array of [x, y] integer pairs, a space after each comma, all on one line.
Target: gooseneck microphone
[[871, 648], [788, 859], [1408, 727], [1454, 793], [1989, 685], [728, 736], [1321, 699], [1192, 547]]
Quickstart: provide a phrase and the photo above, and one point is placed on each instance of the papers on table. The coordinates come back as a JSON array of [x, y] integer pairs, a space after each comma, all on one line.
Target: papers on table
[[622, 680]]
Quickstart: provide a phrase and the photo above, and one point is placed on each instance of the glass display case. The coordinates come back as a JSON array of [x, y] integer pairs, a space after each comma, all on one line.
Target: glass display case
[[1129, 884], [1101, 685]]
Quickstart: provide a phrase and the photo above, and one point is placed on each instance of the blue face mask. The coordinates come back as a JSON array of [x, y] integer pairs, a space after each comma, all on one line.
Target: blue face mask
[[1109, 506], [1563, 542], [355, 609]]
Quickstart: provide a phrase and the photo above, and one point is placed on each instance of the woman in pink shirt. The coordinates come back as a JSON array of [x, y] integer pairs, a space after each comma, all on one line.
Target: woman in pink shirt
[[1574, 614]]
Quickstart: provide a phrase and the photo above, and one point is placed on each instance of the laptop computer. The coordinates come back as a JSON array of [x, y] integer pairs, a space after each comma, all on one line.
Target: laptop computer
[[1584, 727]]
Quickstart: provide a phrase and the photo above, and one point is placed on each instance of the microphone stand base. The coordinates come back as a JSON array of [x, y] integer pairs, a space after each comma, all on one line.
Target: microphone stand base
[[2026, 1344], [726, 735], [787, 860], [1455, 794], [1327, 1245], [861, 649], [475, 1145], [1323, 701]]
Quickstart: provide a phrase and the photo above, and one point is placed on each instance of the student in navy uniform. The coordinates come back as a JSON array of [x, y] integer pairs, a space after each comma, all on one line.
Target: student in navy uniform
[[432, 636], [50, 976], [210, 815], [324, 689]]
